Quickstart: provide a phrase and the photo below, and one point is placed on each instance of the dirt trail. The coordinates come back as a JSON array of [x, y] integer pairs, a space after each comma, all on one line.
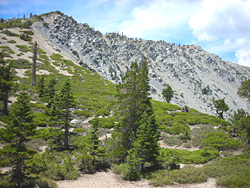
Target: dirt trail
[[111, 180]]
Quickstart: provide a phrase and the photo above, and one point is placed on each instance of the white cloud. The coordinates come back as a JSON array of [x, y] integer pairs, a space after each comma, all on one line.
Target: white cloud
[[243, 56], [158, 15], [227, 21]]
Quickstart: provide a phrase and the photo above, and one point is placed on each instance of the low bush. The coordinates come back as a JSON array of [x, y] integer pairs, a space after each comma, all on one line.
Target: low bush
[[21, 64], [11, 41], [108, 122], [220, 141], [85, 113], [60, 166], [23, 48], [172, 140], [29, 32], [127, 172], [231, 172], [9, 33], [189, 157], [186, 175], [25, 37]]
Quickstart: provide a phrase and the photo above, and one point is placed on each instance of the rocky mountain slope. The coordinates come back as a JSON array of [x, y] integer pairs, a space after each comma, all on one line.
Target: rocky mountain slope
[[195, 75]]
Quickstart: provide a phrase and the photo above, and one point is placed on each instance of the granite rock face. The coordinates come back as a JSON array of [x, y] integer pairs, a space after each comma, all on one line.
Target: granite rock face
[[195, 75]]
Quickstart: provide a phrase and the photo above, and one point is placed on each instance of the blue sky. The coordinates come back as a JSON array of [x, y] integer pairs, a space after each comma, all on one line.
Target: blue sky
[[218, 26]]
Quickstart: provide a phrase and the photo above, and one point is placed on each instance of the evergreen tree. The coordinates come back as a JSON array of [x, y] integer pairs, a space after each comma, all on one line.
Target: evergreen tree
[[95, 149], [17, 134], [220, 106], [133, 101], [145, 148], [244, 90], [90, 153], [168, 94], [60, 110], [50, 92], [6, 83], [41, 87], [241, 125]]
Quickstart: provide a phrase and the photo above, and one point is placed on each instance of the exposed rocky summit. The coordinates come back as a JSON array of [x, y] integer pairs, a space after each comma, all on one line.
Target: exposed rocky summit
[[195, 75]]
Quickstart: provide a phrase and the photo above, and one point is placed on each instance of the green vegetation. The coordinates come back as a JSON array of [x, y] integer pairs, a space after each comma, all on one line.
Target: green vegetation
[[132, 150], [23, 48], [221, 107], [230, 171], [186, 175], [6, 51], [244, 90], [221, 141], [9, 33], [190, 157], [11, 41], [168, 94], [17, 23], [25, 37]]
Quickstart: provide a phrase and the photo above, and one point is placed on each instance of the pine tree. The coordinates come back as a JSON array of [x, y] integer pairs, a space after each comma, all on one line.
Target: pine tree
[[168, 94], [60, 110], [133, 101], [6, 83], [50, 92], [145, 148], [17, 134], [41, 87], [94, 149], [244, 90], [220, 106]]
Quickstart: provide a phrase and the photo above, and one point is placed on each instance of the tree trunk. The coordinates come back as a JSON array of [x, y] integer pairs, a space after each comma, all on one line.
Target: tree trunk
[[5, 101], [34, 64]]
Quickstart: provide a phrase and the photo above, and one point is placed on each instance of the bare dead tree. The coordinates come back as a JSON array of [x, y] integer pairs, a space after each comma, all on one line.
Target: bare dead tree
[[34, 63]]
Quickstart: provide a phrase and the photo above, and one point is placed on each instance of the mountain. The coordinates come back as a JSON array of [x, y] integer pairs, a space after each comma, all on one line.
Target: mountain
[[195, 75]]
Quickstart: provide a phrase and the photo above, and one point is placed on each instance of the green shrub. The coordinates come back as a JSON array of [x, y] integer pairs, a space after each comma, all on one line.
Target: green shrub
[[85, 113], [127, 172], [9, 33], [23, 48], [172, 141], [79, 130], [25, 37], [40, 51], [60, 166], [21, 64], [28, 32], [220, 141], [7, 50], [108, 122], [198, 134], [57, 57], [102, 112], [189, 157], [186, 175], [11, 41], [231, 172]]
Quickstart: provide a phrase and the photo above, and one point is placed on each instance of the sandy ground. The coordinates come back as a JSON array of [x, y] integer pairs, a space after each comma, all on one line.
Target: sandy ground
[[111, 180]]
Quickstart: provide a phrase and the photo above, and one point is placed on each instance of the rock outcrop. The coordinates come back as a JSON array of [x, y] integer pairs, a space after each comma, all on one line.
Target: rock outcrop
[[195, 75]]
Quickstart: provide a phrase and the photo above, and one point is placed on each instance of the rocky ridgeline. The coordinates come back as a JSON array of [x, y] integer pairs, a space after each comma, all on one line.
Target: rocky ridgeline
[[196, 75]]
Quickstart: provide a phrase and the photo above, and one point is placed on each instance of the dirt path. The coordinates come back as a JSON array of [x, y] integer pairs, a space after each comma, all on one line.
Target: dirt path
[[111, 180]]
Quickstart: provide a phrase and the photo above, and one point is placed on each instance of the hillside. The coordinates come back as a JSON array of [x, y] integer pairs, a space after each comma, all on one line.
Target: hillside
[[188, 69], [196, 149]]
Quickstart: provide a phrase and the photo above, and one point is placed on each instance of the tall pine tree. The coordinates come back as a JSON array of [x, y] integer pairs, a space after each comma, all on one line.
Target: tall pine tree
[[17, 134], [6, 83], [133, 102], [60, 110]]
